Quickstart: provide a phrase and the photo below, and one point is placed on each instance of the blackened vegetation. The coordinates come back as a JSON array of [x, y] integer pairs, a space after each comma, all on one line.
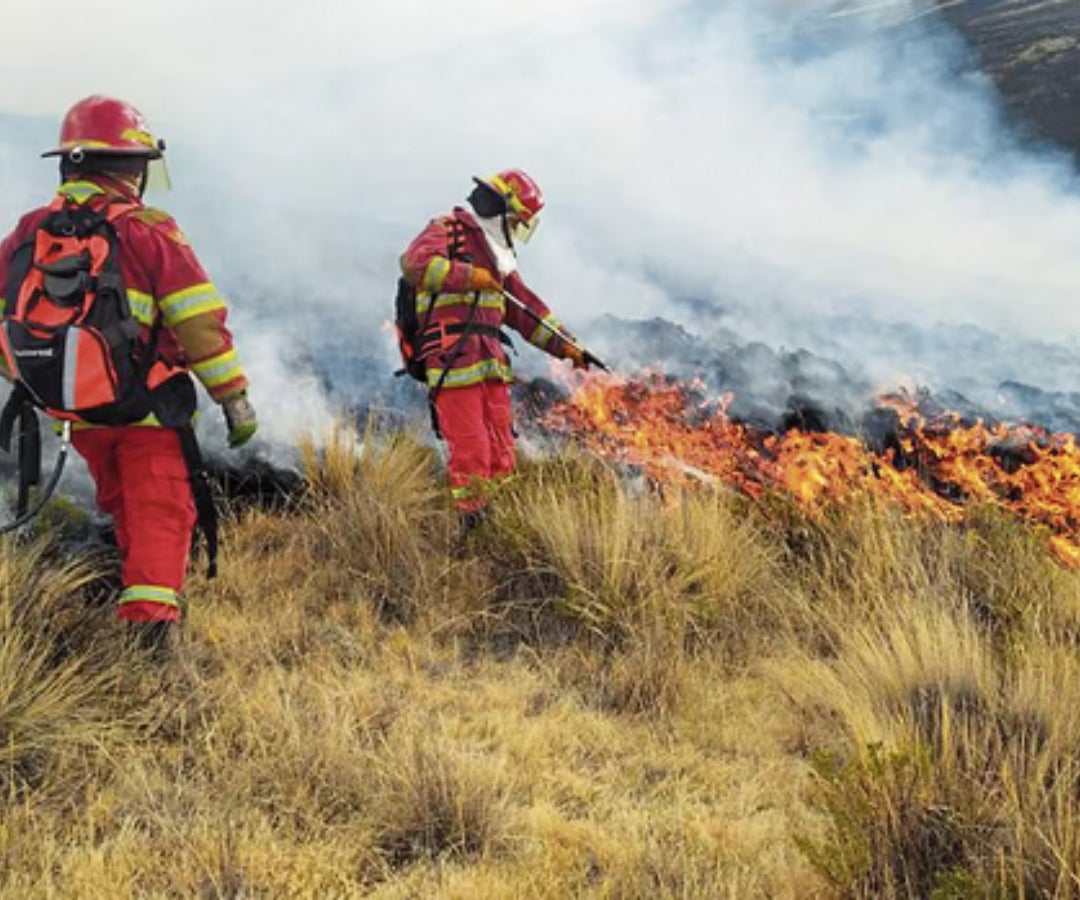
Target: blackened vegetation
[[769, 387], [255, 482], [1032, 51], [1053, 410], [779, 390]]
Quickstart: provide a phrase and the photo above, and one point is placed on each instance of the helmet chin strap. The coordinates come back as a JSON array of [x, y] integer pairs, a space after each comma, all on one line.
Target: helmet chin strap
[[506, 230]]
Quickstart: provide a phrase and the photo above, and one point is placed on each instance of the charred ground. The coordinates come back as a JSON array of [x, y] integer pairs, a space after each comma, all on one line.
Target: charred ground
[[1032, 51]]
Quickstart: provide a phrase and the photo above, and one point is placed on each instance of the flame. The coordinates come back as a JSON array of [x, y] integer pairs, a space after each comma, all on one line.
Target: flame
[[939, 465]]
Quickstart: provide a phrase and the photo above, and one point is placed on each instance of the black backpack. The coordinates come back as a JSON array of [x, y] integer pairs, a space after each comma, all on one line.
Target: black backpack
[[408, 324]]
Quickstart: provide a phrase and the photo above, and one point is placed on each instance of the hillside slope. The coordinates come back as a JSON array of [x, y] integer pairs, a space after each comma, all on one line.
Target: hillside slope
[[604, 694], [1032, 50]]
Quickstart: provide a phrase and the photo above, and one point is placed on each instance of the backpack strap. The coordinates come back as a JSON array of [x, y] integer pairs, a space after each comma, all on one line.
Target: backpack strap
[[19, 410], [111, 279], [492, 331], [119, 208], [454, 353], [10, 413], [29, 456]]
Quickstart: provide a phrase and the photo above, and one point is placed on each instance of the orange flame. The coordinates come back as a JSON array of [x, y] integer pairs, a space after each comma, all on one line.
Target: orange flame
[[677, 436]]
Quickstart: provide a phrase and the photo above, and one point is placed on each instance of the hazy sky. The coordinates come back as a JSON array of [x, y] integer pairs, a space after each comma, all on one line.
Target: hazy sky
[[787, 169]]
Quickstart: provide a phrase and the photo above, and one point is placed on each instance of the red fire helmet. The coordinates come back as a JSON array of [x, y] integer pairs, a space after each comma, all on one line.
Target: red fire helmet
[[106, 126], [522, 194]]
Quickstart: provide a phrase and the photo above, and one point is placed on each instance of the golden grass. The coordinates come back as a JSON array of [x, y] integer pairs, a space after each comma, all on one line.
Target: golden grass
[[952, 706], [375, 514], [58, 703], [610, 694]]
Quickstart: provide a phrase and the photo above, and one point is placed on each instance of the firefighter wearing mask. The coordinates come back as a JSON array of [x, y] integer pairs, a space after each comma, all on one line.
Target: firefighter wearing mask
[[463, 267], [175, 318]]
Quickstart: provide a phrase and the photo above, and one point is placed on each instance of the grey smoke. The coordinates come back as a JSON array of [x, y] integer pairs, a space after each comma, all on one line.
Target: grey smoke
[[821, 175]]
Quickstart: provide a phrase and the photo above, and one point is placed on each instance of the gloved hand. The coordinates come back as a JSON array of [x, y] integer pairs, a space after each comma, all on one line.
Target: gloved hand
[[481, 279], [239, 419], [577, 356]]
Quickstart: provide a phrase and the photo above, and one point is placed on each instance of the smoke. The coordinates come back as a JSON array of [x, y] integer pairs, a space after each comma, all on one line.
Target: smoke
[[824, 175]]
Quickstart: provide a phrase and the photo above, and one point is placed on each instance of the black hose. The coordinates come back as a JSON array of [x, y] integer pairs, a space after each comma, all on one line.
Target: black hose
[[48, 489]]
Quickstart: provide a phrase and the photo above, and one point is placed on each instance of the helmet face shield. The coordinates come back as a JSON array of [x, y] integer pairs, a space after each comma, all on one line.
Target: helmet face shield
[[157, 176], [522, 230]]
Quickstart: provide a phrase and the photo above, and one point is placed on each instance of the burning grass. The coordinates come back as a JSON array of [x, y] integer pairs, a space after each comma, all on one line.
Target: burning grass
[[615, 691], [936, 465]]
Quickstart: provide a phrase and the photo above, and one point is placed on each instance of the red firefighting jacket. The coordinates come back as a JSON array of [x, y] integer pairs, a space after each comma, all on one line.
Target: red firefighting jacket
[[162, 275], [434, 271]]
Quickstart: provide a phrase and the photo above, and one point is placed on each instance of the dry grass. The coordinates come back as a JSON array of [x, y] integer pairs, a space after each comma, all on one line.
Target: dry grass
[[59, 703], [608, 695]]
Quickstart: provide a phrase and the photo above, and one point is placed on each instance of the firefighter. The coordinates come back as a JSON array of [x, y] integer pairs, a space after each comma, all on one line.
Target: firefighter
[[463, 265], [141, 471]]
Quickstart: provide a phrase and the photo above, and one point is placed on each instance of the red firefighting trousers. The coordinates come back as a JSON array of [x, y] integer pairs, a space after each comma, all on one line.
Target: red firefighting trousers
[[477, 423], [142, 482]]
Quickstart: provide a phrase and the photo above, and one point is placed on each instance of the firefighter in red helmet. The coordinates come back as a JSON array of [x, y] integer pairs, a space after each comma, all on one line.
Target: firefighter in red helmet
[[463, 267], [176, 322]]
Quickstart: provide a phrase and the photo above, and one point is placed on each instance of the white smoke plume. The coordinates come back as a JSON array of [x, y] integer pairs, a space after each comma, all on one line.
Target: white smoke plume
[[804, 172]]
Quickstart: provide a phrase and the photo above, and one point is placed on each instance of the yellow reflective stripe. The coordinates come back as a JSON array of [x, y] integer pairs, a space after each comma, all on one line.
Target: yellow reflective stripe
[[488, 300], [80, 191], [218, 369], [485, 370], [3, 305], [142, 137], [542, 333], [190, 302], [435, 273], [142, 306], [151, 592], [478, 486], [86, 142]]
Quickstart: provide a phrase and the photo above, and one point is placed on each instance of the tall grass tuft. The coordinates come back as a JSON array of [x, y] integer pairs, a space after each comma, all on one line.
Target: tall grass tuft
[[56, 702], [949, 758], [645, 582], [379, 514], [616, 560], [435, 800]]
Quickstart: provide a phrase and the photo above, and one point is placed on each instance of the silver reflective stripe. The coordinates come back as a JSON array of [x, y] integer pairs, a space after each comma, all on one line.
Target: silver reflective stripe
[[71, 359]]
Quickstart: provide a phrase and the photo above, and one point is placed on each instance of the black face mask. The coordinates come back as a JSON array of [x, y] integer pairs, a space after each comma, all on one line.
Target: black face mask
[[486, 202]]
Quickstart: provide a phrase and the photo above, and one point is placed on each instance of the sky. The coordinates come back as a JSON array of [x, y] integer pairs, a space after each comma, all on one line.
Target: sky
[[802, 173]]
